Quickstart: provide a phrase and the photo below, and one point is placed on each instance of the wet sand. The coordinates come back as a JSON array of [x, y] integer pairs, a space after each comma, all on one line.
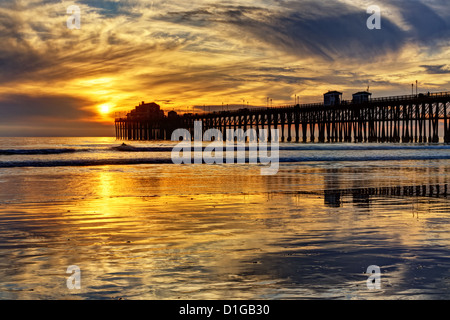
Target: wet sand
[[225, 232]]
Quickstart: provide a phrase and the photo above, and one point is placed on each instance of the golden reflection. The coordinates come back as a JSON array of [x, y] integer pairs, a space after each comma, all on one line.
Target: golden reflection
[[169, 231]]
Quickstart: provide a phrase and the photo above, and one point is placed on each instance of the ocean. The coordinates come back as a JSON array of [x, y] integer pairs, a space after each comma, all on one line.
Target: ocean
[[138, 226]]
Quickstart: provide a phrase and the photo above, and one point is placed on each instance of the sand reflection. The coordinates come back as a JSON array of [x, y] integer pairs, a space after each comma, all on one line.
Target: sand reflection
[[218, 232]]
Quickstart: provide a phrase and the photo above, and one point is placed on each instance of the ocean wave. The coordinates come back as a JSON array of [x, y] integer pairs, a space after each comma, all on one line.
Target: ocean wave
[[130, 148], [360, 147], [103, 162], [413, 157], [9, 152], [81, 162], [282, 147], [295, 147]]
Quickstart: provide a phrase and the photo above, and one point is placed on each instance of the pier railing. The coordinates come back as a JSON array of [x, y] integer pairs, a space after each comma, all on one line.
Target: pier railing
[[342, 103], [123, 115]]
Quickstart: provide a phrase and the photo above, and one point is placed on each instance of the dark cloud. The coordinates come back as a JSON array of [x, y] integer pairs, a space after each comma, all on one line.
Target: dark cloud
[[331, 30], [438, 69], [428, 26], [46, 115], [17, 55], [277, 78], [279, 70], [345, 36], [327, 29], [28, 108], [57, 129], [19, 61], [63, 54]]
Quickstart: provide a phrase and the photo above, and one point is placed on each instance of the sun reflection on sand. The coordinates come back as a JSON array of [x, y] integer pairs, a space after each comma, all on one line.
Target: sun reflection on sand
[[173, 232]]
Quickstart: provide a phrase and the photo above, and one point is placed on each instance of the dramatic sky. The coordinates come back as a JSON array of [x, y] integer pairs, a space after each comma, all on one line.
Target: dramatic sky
[[187, 54]]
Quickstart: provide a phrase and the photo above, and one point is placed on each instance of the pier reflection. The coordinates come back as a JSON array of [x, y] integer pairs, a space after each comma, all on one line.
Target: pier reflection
[[361, 196], [360, 185]]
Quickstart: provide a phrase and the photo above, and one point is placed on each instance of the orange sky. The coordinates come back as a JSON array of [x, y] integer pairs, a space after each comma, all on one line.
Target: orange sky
[[184, 55]]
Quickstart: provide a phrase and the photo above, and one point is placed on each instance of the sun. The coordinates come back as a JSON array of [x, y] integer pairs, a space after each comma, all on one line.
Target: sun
[[104, 109]]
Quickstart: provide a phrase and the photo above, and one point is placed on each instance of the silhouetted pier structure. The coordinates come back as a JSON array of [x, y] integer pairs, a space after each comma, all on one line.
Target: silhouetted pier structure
[[146, 122], [411, 118]]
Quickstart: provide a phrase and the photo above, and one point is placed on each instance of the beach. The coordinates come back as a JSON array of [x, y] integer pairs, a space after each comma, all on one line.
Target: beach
[[140, 227]]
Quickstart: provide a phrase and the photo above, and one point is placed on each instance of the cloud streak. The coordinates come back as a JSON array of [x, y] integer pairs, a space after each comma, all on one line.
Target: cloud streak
[[440, 69]]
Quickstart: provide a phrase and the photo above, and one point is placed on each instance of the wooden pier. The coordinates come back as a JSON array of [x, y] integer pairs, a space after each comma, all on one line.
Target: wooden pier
[[409, 119]]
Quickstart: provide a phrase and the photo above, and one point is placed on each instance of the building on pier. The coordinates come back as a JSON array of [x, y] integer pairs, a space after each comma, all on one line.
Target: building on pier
[[146, 122], [146, 111], [332, 98], [361, 97]]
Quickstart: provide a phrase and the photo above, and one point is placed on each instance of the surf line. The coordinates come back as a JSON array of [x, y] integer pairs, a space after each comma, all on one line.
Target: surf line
[[234, 147]]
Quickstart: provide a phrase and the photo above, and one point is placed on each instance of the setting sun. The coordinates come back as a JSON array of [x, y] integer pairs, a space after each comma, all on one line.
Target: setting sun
[[104, 109]]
